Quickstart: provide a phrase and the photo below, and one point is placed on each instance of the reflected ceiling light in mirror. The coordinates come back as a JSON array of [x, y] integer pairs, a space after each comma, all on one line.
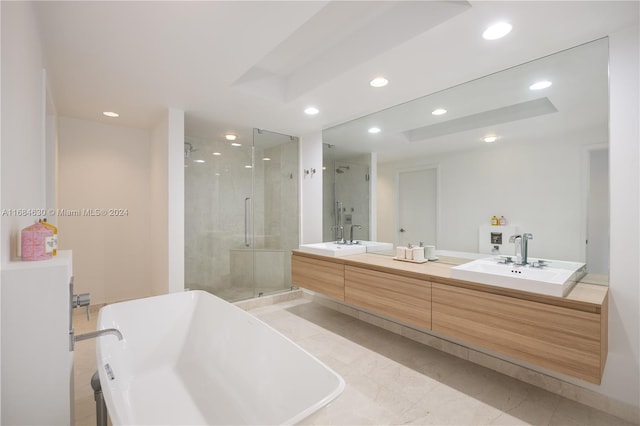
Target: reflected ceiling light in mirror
[[489, 139], [540, 85], [266, 159], [230, 137], [374, 130], [198, 161], [311, 110], [217, 153], [439, 111], [248, 166], [111, 114], [379, 82], [236, 144], [497, 31]]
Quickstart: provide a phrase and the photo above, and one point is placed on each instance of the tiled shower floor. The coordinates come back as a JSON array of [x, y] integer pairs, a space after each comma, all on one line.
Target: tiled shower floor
[[390, 379]]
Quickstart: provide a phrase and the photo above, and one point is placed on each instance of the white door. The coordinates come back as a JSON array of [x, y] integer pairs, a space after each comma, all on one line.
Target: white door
[[417, 207]]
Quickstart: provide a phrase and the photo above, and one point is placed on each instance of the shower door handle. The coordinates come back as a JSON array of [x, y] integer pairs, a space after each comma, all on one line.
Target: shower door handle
[[247, 224]]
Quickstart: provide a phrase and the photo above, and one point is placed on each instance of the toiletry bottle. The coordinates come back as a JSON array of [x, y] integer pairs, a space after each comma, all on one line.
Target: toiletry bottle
[[53, 242], [409, 252], [494, 221], [503, 221]]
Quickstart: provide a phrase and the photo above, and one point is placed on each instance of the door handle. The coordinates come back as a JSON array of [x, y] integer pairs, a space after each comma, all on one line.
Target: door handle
[[247, 221]]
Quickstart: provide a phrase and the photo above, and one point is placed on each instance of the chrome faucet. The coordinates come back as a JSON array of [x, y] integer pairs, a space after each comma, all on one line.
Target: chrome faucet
[[525, 249], [99, 333], [351, 232], [522, 250]]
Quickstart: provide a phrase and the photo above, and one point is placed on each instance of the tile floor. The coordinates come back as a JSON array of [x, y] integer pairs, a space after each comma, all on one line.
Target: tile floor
[[390, 379]]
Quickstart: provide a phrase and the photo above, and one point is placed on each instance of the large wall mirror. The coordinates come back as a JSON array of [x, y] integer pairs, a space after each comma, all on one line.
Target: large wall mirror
[[545, 170]]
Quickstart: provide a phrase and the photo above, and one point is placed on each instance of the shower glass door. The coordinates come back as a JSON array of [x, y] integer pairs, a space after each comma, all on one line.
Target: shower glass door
[[241, 214]]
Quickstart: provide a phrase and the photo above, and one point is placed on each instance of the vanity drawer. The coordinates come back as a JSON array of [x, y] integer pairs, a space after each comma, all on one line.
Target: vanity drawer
[[319, 276], [565, 340], [402, 298]]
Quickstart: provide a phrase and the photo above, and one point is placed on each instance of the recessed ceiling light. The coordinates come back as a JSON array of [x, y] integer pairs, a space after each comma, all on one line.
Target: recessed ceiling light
[[230, 137], [111, 114], [439, 111], [374, 130], [497, 31], [311, 110], [379, 82], [217, 153], [490, 139], [540, 85], [266, 159], [248, 167], [236, 144], [198, 161]]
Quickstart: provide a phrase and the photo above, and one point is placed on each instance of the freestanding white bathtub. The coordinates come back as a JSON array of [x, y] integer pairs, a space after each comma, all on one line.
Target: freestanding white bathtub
[[192, 358]]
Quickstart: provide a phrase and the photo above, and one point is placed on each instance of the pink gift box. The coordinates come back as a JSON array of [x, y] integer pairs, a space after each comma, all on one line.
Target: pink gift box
[[33, 241]]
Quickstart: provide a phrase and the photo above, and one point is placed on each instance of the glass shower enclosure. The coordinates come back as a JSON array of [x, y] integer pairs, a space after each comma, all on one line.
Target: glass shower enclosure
[[241, 214]]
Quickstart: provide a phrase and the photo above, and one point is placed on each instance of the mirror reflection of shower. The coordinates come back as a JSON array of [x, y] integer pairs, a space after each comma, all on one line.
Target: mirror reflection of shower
[[346, 198]]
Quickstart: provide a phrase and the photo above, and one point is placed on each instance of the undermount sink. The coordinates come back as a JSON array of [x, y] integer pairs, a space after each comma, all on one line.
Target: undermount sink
[[556, 278], [338, 250]]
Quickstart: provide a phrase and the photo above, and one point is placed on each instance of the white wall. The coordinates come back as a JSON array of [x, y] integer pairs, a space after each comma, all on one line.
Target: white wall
[[114, 167], [21, 150], [159, 200], [311, 188], [621, 379], [22, 130], [175, 199], [535, 185], [106, 167]]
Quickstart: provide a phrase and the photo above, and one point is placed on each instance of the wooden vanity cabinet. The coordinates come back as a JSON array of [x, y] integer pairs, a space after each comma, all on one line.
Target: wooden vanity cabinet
[[403, 298], [563, 339], [565, 335], [321, 276]]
